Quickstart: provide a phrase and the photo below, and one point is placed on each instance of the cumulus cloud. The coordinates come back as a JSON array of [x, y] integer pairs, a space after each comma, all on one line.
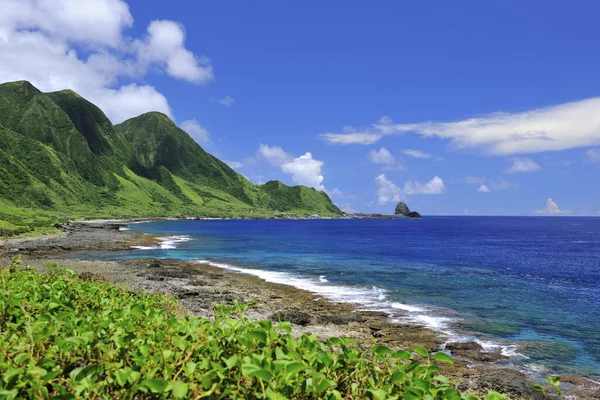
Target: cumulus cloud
[[554, 128], [552, 209], [274, 155], [227, 101], [196, 131], [304, 170], [420, 155], [92, 22], [434, 186], [483, 188], [80, 45], [522, 164], [165, 45], [593, 155], [382, 156], [387, 191]]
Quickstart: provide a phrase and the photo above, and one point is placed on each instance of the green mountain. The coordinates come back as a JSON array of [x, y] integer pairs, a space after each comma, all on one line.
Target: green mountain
[[61, 157]]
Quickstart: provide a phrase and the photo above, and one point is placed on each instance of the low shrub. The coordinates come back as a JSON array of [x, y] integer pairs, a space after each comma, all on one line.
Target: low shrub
[[71, 338]]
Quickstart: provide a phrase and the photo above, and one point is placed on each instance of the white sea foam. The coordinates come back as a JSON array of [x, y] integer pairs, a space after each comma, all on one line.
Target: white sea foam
[[166, 242], [406, 307], [124, 228], [370, 299]]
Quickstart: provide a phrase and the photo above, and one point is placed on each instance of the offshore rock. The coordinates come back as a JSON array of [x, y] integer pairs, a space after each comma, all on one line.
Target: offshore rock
[[402, 209], [413, 214]]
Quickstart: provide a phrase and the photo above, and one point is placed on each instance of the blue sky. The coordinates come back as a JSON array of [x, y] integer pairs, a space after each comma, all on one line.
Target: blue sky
[[471, 107]]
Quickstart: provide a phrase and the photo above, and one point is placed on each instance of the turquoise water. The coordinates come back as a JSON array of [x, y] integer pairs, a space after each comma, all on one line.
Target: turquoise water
[[528, 285]]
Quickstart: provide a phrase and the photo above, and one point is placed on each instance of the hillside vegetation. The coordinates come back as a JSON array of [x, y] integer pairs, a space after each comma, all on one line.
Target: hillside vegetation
[[69, 338], [60, 157]]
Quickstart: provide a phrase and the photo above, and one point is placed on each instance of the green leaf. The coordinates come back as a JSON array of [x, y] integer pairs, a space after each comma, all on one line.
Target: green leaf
[[122, 376], [155, 385], [20, 358], [232, 361], [443, 357], [379, 394], [382, 350], [260, 336], [403, 355], [325, 384], [421, 351], [397, 377], [179, 390], [294, 367]]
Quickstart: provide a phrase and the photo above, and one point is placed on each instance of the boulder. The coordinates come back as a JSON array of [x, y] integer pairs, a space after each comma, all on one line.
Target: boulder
[[402, 209]]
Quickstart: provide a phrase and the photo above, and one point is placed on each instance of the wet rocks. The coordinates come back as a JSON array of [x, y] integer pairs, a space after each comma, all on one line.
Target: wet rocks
[[474, 351], [507, 381], [294, 316]]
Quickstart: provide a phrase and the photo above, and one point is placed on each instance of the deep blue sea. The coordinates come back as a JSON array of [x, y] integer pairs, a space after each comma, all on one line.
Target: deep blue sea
[[530, 285]]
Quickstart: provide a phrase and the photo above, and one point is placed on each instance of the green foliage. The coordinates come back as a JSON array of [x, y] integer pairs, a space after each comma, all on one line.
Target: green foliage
[[70, 338], [59, 153]]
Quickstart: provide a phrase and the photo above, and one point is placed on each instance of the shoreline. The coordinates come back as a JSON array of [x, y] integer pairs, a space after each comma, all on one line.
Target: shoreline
[[199, 285]]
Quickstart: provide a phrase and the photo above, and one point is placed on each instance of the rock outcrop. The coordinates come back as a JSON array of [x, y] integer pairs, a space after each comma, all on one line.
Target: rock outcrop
[[403, 210], [413, 214]]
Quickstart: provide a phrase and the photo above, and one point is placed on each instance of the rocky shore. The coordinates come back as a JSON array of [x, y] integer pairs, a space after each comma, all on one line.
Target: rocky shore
[[199, 286]]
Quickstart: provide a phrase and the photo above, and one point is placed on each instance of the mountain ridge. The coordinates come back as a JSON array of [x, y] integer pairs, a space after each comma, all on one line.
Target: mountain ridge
[[61, 158]]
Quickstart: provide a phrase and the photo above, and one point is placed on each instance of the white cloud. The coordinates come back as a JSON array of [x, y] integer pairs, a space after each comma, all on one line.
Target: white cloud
[[483, 188], [593, 155], [351, 138], [91, 22], [139, 99], [196, 131], [522, 164], [304, 170], [79, 45], [165, 45], [382, 156], [552, 209], [434, 186], [274, 155], [554, 128], [420, 155], [387, 191], [227, 101], [234, 164]]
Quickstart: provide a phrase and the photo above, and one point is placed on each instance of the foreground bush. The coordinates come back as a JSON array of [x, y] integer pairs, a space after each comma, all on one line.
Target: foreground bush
[[65, 337]]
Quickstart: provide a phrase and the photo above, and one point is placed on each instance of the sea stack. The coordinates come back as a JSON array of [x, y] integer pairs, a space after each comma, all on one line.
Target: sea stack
[[403, 210]]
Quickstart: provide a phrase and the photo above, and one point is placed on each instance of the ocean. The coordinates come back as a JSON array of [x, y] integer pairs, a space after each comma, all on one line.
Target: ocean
[[529, 286]]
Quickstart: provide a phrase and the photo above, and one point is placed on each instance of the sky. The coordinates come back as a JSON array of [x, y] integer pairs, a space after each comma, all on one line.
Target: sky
[[456, 108]]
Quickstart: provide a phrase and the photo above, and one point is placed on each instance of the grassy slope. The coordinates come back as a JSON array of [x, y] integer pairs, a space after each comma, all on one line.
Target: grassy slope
[[60, 157]]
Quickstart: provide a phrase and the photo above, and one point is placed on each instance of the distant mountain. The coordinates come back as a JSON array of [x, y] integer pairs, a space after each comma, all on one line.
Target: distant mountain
[[61, 157]]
